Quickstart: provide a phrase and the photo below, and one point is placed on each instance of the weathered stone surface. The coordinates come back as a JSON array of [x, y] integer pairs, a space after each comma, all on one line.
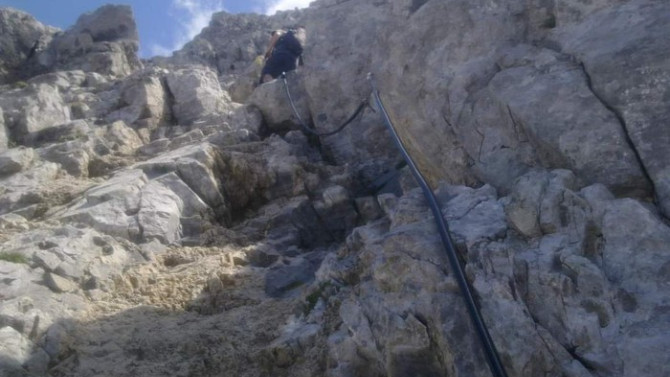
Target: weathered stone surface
[[111, 207], [629, 75], [22, 36], [524, 100], [73, 156], [4, 134], [58, 284], [590, 141], [123, 139], [30, 110], [286, 277], [15, 160], [74, 130], [63, 80], [14, 349], [143, 96], [195, 214], [196, 166], [187, 138], [27, 188], [104, 41], [155, 147], [272, 101], [246, 117], [159, 213], [197, 93]]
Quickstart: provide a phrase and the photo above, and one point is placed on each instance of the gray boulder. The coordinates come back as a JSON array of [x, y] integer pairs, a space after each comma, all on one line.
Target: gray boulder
[[465, 112], [33, 109], [63, 80], [272, 101], [15, 347], [197, 94], [74, 130], [121, 139], [143, 97], [110, 208], [159, 213], [198, 166], [74, 156], [21, 37], [30, 188], [627, 75], [539, 95], [166, 198], [15, 160], [4, 135], [104, 41]]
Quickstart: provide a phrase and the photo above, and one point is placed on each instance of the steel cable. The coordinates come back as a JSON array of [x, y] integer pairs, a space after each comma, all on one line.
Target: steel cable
[[304, 126], [488, 346]]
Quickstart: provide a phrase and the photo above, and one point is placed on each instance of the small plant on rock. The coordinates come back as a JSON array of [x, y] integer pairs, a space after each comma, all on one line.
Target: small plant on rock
[[20, 85], [313, 297], [13, 257]]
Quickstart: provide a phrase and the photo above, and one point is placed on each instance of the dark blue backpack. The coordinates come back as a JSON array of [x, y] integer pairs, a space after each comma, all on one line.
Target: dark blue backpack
[[289, 42]]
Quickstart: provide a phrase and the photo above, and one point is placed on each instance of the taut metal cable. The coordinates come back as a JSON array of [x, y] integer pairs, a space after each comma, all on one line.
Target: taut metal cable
[[304, 126], [443, 229]]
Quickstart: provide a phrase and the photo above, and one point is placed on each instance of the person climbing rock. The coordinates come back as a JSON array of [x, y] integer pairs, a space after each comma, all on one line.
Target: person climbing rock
[[283, 53]]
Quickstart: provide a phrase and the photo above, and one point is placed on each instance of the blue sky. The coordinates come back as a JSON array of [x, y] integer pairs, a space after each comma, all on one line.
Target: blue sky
[[163, 25]]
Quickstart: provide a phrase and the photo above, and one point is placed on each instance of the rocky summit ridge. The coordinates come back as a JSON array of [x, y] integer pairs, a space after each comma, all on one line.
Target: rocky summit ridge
[[167, 217]]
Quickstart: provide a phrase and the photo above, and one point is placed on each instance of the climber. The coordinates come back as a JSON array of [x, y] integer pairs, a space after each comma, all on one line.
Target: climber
[[283, 53]]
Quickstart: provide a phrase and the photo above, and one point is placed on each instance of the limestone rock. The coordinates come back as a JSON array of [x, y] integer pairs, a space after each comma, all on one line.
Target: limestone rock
[[22, 37], [284, 277], [143, 97], [159, 215], [155, 147], [58, 284], [197, 166], [635, 96], [123, 139], [246, 117], [197, 93], [592, 144], [14, 348], [239, 217], [104, 41], [110, 208], [15, 160], [4, 135], [28, 188], [69, 131], [63, 80], [33, 109], [272, 101]]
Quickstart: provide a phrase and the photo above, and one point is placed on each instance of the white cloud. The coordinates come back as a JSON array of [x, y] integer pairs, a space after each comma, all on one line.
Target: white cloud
[[191, 17], [272, 6], [158, 50]]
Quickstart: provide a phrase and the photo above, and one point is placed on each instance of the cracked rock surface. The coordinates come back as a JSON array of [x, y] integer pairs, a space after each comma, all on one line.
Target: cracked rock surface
[[168, 217]]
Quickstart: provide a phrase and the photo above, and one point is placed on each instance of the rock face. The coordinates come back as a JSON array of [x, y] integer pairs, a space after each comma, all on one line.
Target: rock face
[[196, 93], [638, 96], [22, 37], [104, 41], [144, 100], [4, 140], [176, 219], [493, 89], [33, 109]]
